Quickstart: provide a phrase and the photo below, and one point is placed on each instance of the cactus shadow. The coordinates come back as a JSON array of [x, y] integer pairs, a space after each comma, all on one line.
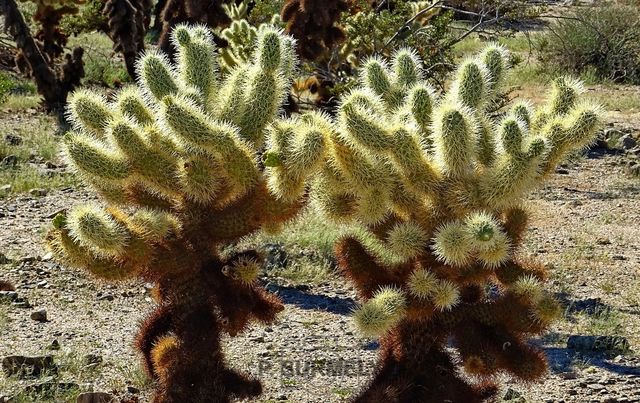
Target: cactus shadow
[[566, 360], [309, 301], [572, 306]]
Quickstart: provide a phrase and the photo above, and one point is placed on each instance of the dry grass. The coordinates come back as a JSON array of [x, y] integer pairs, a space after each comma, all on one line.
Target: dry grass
[[40, 144]]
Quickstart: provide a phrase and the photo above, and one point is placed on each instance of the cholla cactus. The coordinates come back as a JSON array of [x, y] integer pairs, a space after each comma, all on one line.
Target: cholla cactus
[[440, 187], [240, 37], [176, 161], [237, 11]]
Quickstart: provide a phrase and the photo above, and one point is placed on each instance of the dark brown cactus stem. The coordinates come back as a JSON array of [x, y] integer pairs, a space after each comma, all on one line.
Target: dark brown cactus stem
[[195, 308], [363, 269], [413, 367], [208, 12], [6, 286], [414, 363], [127, 22], [313, 24], [53, 84]]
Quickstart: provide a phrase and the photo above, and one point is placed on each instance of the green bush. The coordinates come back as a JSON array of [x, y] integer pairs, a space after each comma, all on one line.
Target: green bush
[[601, 42], [6, 85]]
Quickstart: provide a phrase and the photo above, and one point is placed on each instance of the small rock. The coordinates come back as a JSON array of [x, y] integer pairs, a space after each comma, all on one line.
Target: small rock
[[95, 397], [276, 256], [5, 188], [598, 343], [13, 139], [618, 257], [627, 142], [92, 359], [568, 375], [28, 259], [23, 366], [133, 390], [9, 161], [48, 389], [302, 287], [4, 259], [39, 316], [55, 345], [513, 396], [595, 386], [21, 302], [8, 296], [105, 297], [633, 168], [39, 192]]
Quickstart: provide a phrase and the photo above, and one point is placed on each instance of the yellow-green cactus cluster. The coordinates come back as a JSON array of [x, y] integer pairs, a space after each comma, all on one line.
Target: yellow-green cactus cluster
[[241, 35], [179, 144], [237, 11], [434, 176]]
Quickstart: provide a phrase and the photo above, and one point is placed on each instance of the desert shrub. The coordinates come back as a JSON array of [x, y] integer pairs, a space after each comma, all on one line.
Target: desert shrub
[[6, 85], [89, 18], [262, 11], [369, 30], [42, 55], [601, 41], [103, 69]]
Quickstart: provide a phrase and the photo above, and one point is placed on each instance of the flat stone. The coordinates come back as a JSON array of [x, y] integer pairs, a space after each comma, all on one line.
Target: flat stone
[[106, 297], [568, 375], [48, 389], [513, 396], [9, 161], [55, 345], [39, 316], [133, 390], [95, 397], [627, 142], [25, 367], [598, 343], [595, 386], [92, 359], [13, 139], [38, 192], [21, 302], [8, 296], [3, 258]]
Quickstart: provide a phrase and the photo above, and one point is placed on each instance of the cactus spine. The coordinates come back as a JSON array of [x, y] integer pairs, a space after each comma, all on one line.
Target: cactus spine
[[439, 185], [176, 162]]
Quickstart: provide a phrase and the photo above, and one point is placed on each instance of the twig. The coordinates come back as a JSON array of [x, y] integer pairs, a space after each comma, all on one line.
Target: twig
[[410, 21], [381, 5]]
